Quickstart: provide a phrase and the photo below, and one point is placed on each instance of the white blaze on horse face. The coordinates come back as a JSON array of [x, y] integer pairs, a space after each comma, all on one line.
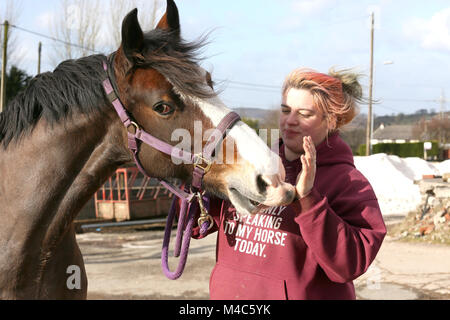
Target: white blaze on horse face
[[249, 145]]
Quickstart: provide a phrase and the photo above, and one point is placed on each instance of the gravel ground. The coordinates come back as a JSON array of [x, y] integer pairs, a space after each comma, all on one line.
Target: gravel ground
[[125, 263]]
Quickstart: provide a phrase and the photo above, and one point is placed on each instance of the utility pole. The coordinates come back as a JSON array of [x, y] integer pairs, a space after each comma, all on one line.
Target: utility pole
[[369, 112], [39, 57], [4, 57], [441, 117]]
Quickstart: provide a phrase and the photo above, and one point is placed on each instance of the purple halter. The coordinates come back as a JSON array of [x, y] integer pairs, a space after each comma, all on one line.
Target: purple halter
[[191, 201]]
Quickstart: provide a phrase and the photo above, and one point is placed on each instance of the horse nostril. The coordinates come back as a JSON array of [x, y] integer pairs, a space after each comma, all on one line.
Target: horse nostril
[[261, 183]]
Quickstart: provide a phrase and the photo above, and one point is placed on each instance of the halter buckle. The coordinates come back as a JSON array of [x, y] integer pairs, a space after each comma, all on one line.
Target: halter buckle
[[199, 160]]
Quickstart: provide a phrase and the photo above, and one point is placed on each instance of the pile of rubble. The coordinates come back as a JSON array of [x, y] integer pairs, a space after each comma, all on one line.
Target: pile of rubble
[[431, 221]]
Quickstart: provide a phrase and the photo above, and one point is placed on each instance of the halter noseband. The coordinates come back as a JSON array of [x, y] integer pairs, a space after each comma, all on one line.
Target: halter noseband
[[191, 201]]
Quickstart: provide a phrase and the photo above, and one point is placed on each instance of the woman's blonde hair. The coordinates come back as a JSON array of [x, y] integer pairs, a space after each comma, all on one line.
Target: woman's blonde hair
[[335, 94]]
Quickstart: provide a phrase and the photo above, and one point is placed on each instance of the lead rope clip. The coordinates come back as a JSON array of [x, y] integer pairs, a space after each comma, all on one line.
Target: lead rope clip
[[204, 215]]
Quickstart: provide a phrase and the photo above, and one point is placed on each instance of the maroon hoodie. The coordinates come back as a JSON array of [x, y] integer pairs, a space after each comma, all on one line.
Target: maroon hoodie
[[311, 249]]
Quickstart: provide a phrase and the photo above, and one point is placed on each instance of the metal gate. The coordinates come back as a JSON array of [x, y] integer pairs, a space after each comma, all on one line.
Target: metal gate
[[129, 195]]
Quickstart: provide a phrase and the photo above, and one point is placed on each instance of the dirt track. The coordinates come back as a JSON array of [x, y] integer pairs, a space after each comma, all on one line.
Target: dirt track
[[126, 264]]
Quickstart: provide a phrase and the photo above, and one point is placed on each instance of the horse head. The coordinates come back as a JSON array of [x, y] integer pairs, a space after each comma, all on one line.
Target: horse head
[[171, 97]]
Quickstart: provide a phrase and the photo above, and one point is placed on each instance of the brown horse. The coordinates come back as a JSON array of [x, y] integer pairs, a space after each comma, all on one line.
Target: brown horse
[[61, 139]]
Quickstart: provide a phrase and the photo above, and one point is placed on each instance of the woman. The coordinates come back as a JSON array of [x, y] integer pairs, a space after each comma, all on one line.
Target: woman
[[327, 237]]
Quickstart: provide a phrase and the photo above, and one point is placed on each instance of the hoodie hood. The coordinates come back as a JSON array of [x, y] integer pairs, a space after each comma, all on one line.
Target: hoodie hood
[[333, 151]]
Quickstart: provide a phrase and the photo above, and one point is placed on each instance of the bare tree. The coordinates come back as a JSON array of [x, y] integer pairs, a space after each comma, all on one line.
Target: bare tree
[[437, 128], [419, 130], [78, 25], [86, 28], [440, 128], [10, 10], [354, 137]]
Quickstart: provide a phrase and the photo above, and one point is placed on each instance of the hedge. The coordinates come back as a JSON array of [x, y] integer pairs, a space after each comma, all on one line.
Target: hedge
[[403, 150]]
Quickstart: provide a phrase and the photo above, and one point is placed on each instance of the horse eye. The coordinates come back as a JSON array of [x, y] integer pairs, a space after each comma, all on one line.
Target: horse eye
[[163, 108]]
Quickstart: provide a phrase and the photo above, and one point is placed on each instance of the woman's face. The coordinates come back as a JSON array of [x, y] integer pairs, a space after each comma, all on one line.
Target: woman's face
[[299, 118]]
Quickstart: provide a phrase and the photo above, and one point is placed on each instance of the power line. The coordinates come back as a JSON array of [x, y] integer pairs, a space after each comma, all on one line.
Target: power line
[[52, 38], [342, 21], [411, 100], [329, 24], [387, 108], [237, 85], [271, 89], [251, 84], [254, 89]]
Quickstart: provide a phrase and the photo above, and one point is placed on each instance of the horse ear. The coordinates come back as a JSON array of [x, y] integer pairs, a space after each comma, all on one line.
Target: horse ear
[[170, 20], [132, 35]]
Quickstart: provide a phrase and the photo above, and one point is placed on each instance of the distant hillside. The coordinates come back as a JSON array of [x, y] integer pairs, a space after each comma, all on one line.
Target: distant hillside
[[353, 133], [405, 118], [359, 122], [254, 113]]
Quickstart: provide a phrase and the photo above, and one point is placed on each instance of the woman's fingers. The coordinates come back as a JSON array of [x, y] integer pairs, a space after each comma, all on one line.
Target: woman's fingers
[[304, 164], [310, 151], [313, 148], [305, 156], [305, 180]]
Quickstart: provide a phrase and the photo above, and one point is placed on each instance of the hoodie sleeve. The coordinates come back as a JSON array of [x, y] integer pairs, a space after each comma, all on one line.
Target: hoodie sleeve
[[344, 243]]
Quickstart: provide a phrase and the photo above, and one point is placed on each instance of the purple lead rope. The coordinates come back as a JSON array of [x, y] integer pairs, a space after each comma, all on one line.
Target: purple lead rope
[[204, 228], [183, 237], [181, 227], [185, 244]]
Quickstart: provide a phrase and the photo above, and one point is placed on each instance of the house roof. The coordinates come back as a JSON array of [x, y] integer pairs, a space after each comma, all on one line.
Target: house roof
[[394, 132]]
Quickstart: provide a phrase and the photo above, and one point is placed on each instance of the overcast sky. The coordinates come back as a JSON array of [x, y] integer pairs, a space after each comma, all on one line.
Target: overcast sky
[[254, 44]]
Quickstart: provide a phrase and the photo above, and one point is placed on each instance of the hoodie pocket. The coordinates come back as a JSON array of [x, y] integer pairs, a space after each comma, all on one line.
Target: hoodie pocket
[[228, 283]]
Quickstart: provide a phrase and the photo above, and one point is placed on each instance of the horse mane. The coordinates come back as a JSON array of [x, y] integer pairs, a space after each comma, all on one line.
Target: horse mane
[[177, 60], [75, 86]]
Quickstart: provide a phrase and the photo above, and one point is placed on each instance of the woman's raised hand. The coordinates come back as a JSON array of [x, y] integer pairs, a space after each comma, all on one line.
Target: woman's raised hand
[[305, 179]]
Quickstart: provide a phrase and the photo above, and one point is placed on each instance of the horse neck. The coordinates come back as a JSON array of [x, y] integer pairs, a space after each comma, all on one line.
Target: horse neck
[[97, 154], [57, 170]]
